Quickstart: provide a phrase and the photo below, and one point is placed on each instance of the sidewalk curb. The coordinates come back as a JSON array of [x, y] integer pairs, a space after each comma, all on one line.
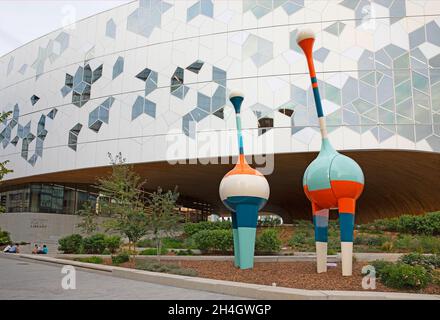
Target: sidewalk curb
[[239, 289]]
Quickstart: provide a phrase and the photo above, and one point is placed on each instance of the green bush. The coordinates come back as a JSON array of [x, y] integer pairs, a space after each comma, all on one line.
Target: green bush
[[94, 259], [193, 228], [94, 244], [421, 244], [173, 243], [153, 251], [155, 266], [4, 238], [379, 265], [370, 240], [145, 243], [120, 258], [71, 244], [268, 241], [427, 224], [112, 243], [298, 239], [404, 276], [218, 240], [416, 259]]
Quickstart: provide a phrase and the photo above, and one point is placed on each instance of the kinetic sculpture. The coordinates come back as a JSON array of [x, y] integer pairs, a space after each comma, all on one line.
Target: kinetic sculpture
[[332, 180], [244, 191]]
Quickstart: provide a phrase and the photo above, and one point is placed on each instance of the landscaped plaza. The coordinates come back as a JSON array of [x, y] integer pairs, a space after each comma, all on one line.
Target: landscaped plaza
[[221, 150]]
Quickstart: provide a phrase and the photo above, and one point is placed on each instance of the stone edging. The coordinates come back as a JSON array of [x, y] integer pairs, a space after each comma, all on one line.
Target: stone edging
[[240, 289]]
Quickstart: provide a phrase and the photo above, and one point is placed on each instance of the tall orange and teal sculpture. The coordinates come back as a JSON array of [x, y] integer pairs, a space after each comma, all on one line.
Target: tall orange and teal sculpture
[[244, 191], [331, 181]]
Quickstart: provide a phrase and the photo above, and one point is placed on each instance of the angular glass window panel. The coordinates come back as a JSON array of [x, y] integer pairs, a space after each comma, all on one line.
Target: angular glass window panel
[[435, 97], [422, 115], [34, 99], [350, 118], [42, 134], [150, 108], [418, 54], [193, 11], [110, 30], [207, 8], [362, 106], [260, 11], [286, 111], [39, 148], [401, 76], [219, 98], [421, 99], [87, 77], [150, 84], [372, 114], [386, 117], [97, 74], [417, 37], [118, 67], [65, 91], [389, 105], [219, 76], [196, 66], [291, 7], [384, 134], [435, 62], [334, 119], [434, 75], [198, 114], [203, 102], [93, 116], [144, 74], [434, 142], [402, 62], [73, 141], [350, 91], [369, 78], [41, 123], [81, 87], [32, 160], [403, 91], [76, 99], [394, 51], [177, 79], [423, 131], [332, 94], [79, 75], [383, 58], [420, 67], [96, 126], [52, 113], [366, 60], [301, 116], [385, 90], [433, 33], [76, 129], [405, 109], [15, 141], [138, 108], [220, 113], [321, 54], [298, 95]]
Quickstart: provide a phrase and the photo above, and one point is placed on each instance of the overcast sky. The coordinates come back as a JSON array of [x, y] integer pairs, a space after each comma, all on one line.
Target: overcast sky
[[23, 21]]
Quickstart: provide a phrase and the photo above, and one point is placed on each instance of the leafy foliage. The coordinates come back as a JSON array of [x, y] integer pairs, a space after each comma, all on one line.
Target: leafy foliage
[[427, 224], [121, 258], [404, 276], [192, 228], [268, 241], [429, 262], [155, 266], [71, 244], [216, 239], [4, 238], [153, 251], [89, 216], [94, 259]]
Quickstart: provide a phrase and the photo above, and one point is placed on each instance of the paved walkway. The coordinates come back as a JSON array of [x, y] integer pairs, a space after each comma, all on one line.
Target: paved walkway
[[24, 279]]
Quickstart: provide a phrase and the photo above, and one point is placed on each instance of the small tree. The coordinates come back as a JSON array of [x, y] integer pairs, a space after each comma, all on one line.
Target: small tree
[[89, 214], [163, 218], [126, 208]]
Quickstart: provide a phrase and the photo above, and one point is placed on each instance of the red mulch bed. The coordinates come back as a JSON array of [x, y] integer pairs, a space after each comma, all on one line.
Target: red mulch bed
[[298, 275]]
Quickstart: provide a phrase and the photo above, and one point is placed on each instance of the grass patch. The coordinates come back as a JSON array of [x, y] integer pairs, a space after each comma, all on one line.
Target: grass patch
[[155, 266], [93, 259]]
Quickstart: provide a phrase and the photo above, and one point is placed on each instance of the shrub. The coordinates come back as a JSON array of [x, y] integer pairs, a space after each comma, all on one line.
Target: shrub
[[298, 239], [387, 246], [71, 244], [94, 259], [428, 224], [193, 228], [112, 243], [370, 240], [421, 244], [404, 276], [155, 266], [268, 241], [153, 251], [379, 265], [145, 243], [94, 244], [220, 240], [416, 259], [121, 258], [173, 243], [4, 238]]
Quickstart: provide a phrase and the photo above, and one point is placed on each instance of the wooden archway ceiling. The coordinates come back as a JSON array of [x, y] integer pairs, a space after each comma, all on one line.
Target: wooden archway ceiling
[[397, 182]]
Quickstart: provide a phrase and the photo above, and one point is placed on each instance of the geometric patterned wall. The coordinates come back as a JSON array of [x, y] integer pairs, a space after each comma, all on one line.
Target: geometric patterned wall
[[133, 78]]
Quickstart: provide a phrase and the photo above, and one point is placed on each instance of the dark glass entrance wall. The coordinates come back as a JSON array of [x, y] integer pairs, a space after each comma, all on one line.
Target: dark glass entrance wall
[[46, 198]]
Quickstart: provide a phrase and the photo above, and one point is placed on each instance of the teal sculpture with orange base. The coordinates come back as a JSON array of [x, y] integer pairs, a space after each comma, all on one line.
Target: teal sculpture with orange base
[[331, 181]]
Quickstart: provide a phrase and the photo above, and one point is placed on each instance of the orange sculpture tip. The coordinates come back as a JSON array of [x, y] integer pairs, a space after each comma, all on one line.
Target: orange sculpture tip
[[305, 34]]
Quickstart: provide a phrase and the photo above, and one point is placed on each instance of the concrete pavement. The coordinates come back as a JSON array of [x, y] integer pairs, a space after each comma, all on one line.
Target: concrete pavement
[[25, 279]]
